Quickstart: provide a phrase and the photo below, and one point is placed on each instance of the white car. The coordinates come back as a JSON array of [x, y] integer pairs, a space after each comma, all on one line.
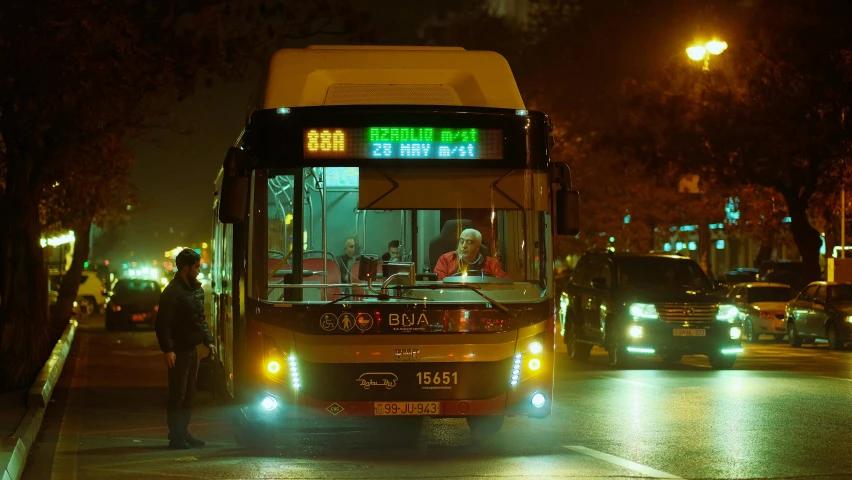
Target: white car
[[762, 307], [91, 289]]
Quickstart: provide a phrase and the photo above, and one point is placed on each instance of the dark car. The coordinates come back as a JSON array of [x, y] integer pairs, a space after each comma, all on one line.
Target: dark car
[[788, 272], [633, 304], [822, 310], [740, 275], [133, 303]]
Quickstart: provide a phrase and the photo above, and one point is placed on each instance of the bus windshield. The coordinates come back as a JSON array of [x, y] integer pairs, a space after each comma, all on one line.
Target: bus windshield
[[502, 252]]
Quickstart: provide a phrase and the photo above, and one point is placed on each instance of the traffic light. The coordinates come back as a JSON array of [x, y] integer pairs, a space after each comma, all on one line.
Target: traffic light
[[86, 264]]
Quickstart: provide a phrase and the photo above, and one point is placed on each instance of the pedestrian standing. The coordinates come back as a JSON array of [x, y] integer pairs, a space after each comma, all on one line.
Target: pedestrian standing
[[181, 327]]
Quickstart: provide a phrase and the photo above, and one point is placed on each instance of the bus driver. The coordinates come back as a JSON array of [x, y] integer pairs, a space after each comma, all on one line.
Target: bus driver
[[467, 258]]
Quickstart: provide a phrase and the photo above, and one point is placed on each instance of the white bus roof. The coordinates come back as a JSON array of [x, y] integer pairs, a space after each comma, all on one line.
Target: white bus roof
[[378, 75]]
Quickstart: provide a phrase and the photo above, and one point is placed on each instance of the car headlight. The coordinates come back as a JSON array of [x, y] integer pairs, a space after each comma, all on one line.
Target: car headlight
[[727, 313], [645, 311]]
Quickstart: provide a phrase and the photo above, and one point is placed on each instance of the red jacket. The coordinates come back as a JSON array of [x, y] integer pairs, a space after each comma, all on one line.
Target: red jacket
[[448, 264]]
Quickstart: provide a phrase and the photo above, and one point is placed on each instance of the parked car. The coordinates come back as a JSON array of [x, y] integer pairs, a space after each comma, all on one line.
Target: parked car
[[133, 303], [91, 292], [740, 275], [762, 308], [822, 310], [635, 304], [788, 272]]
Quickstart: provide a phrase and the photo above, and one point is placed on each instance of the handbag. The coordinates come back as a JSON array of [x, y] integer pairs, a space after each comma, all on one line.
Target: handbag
[[211, 375], [204, 379]]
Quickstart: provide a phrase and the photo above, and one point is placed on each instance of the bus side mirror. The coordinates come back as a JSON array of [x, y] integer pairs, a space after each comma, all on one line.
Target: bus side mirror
[[567, 211], [234, 191]]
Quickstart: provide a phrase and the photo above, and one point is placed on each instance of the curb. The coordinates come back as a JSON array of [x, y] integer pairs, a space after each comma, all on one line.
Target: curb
[[13, 458]]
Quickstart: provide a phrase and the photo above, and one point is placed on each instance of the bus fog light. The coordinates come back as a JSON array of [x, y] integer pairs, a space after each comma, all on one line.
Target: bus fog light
[[538, 400], [535, 348], [736, 333], [273, 367], [269, 403], [534, 364], [636, 331]]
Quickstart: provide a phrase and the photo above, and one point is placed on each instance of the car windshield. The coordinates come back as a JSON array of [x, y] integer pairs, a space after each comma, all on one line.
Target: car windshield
[[137, 287], [770, 294], [662, 272], [840, 293]]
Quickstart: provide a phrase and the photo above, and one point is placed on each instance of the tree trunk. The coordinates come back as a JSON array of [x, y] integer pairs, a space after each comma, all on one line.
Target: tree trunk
[[24, 340], [806, 237], [71, 282], [767, 244]]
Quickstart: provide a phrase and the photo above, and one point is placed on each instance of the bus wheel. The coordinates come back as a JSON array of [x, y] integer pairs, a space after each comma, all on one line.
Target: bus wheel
[[576, 350], [484, 427]]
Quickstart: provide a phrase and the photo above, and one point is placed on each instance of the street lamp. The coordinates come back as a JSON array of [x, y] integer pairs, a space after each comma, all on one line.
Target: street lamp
[[703, 52]]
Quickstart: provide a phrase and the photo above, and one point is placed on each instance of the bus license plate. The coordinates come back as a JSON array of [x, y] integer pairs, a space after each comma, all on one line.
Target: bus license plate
[[407, 408], [138, 317], [689, 332]]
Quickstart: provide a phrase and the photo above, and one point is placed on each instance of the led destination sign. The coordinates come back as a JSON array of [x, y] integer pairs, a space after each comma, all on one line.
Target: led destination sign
[[404, 142]]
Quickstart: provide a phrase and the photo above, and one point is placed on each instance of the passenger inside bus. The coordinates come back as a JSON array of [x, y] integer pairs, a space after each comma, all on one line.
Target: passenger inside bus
[[392, 255], [347, 260], [468, 259]]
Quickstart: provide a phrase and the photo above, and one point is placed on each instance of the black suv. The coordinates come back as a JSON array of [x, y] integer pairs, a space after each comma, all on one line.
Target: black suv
[[634, 304]]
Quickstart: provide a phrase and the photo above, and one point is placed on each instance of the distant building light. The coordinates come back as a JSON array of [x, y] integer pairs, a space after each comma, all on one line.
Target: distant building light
[[667, 247], [786, 220], [627, 219], [720, 244], [716, 226], [693, 246], [679, 246], [673, 229], [688, 228], [611, 239], [204, 245], [57, 241]]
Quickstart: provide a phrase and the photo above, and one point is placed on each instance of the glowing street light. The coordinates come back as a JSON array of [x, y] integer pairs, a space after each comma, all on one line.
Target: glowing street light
[[703, 52]]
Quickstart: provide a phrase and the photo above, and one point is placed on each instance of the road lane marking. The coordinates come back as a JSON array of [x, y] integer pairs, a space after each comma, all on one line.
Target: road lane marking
[[836, 378], [621, 462]]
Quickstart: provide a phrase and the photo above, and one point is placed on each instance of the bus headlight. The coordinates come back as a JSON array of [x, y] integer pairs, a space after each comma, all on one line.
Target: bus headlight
[[273, 367], [538, 400], [294, 372], [269, 403], [736, 333], [516, 370], [535, 347]]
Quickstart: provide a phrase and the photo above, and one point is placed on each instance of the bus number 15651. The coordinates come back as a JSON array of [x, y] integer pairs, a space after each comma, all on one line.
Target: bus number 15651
[[437, 378]]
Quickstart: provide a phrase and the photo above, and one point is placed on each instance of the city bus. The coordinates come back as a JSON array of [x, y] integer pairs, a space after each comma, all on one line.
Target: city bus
[[359, 172]]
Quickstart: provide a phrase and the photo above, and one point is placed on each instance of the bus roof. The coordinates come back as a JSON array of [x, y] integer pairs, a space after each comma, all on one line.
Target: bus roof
[[378, 75]]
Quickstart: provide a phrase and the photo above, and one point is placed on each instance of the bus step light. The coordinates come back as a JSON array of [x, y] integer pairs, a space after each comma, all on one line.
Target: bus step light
[[516, 370], [269, 403], [538, 400]]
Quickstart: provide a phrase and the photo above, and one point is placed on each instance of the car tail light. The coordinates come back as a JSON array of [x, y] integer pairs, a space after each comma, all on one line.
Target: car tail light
[[103, 290], [767, 315]]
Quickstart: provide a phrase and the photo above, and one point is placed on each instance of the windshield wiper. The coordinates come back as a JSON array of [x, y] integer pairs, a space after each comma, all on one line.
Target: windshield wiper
[[461, 286]]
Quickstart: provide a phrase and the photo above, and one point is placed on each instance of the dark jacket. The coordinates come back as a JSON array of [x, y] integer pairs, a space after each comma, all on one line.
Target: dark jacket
[[181, 323]]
